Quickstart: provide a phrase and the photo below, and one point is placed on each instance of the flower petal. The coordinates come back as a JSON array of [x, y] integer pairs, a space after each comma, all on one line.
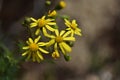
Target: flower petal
[[51, 23], [46, 34], [26, 47], [30, 40], [55, 54], [69, 39], [66, 47], [33, 25], [33, 19], [49, 28], [37, 31], [57, 32], [78, 33], [73, 21], [38, 59], [52, 41], [42, 43], [62, 49], [29, 55], [44, 51], [55, 46], [37, 39], [33, 57], [78, 29], [66, 34], [26, 52], [66, 21], [43, 17], [62, 32], [39, 55]]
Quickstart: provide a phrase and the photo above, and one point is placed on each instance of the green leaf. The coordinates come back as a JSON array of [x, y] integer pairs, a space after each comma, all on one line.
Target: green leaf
[[67, 57]]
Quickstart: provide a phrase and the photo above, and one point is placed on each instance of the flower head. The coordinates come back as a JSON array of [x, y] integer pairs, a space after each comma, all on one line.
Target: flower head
[[73, 27], [55, 54], [52, 14], [42, 23], [34, 50], [59, 41], [62, 4]]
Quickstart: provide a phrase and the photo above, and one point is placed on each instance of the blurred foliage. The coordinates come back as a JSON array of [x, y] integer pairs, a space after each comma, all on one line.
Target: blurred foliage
[[8, 64]]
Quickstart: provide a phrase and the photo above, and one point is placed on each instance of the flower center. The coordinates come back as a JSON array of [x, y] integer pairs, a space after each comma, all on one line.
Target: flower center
[[59, 39], [41, 23], [73, 26], [33, 47]]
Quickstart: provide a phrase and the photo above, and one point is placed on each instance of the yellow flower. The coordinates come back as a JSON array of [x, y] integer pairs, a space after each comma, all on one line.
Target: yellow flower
[[34, 50], [55, 54], [62, 4], [59, 41], [42, 23], [73, 27], [52, 14]]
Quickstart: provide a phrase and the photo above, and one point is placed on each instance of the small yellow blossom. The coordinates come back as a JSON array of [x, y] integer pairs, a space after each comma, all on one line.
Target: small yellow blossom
[[62, 4], [55, 54], [34, 50], [52, 14], [41, 23], [59, 41], [73, 27]]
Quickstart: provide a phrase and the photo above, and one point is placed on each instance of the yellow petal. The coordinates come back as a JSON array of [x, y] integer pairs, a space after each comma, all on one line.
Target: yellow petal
[[55, 46], [23, 54], [33, 57], [73, 21], [66, 34], [68, 29], [68, 25], [43, 17], [62, 49], [26, 47], [50, 28], [57, 32], [78, 29], [39, 55], [30, 40], [51, 23], [33, 19], [55, 54], [78, 33], [33, 25], [69, 39], [46, 34], [42, 43], [66, 21], [37, 39], [49, 20], [52, 41], [66, 47], [62, 32], [37, 31], [29, 55], [38, 59], [44, 51]]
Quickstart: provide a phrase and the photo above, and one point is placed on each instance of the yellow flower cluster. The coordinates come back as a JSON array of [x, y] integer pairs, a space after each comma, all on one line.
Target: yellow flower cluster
[[53, 41]]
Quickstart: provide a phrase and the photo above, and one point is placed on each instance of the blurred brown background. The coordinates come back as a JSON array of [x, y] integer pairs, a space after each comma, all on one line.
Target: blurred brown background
[[95, 55]]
